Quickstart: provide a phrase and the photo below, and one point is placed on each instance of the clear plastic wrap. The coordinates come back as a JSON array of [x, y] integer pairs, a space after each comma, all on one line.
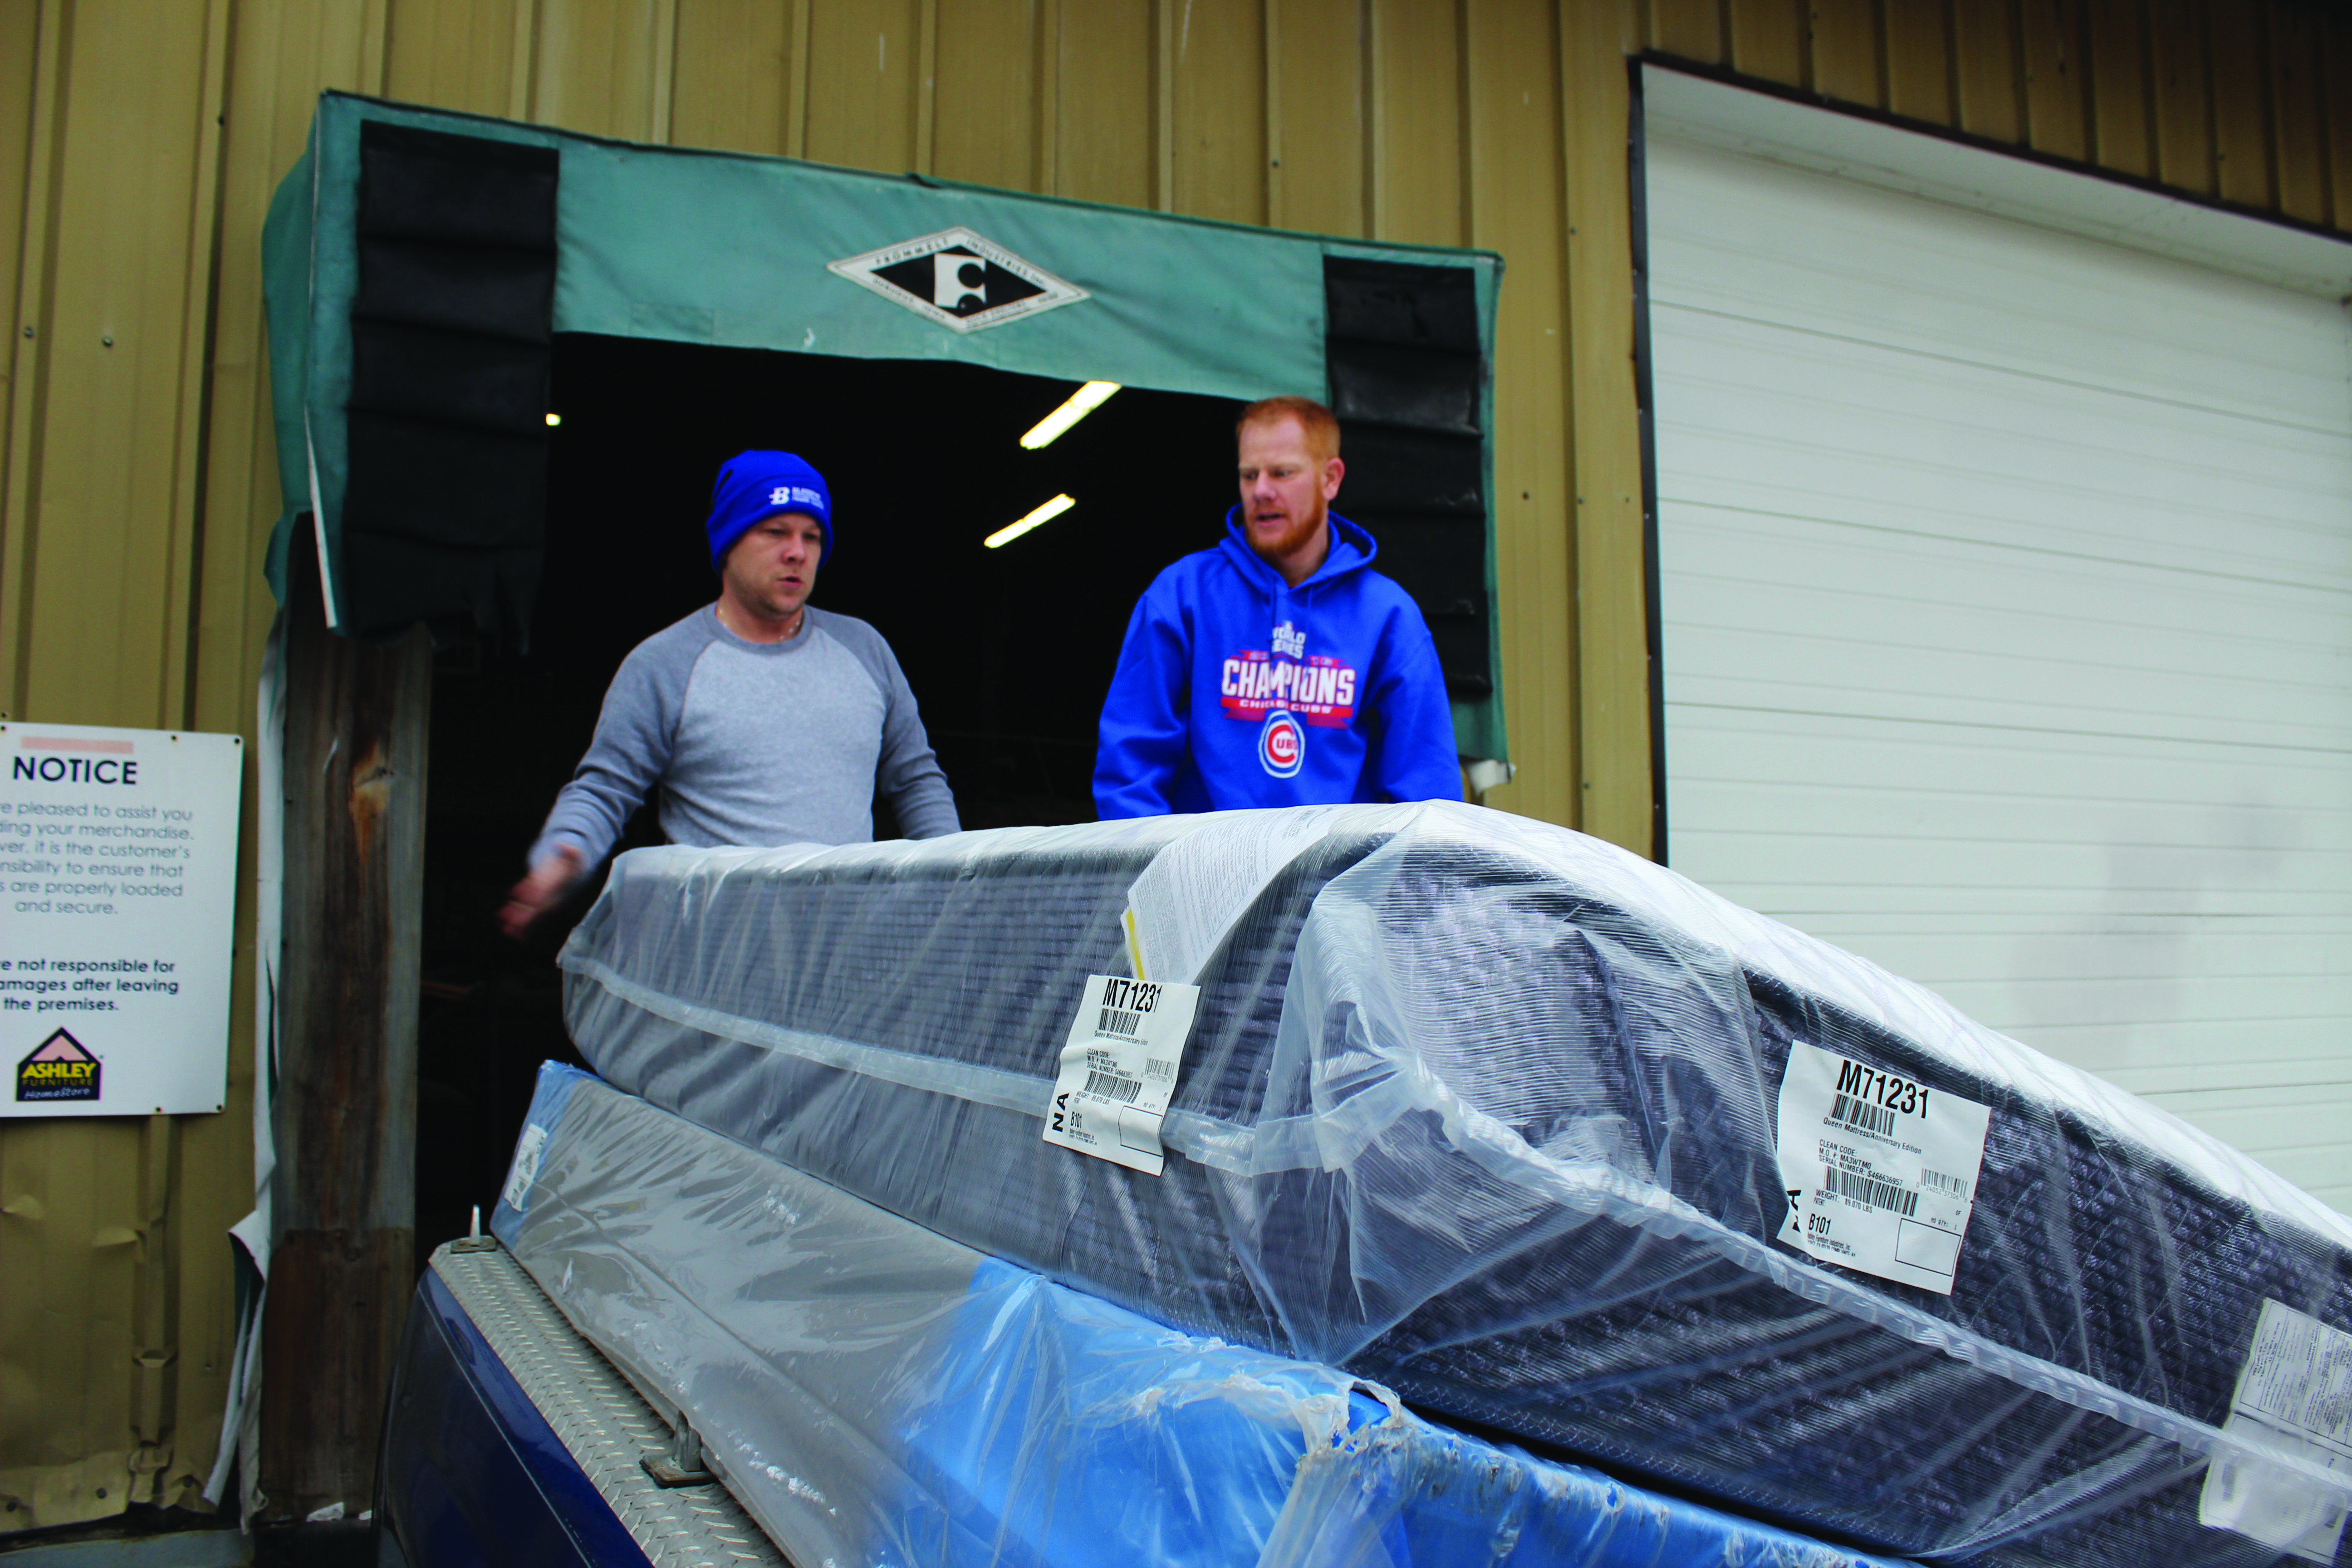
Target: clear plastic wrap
[[876, 1394], [1485, 1109]]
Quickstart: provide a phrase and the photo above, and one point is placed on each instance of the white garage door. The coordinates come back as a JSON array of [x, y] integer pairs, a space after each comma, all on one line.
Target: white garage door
[[2007, 598]]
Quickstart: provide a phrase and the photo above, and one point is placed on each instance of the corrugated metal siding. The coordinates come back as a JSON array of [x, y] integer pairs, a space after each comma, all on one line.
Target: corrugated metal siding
[[139, 144]]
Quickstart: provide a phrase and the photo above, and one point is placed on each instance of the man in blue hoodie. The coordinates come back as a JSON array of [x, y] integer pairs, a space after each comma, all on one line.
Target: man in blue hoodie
[[1277, 668]]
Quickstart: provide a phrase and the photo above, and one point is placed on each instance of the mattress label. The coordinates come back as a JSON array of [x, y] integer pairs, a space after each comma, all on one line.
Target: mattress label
[[1880, 1170], [1185, 902], [525, 1169], [1119, 1070], [2295, 1395]]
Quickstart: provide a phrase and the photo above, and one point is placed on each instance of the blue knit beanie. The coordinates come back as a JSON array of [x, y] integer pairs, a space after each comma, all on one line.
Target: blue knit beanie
[[755, 486]]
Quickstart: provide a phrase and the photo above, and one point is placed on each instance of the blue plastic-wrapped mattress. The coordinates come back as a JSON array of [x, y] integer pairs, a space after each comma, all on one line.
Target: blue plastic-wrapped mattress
[[1492, 1112], [875, 1394]]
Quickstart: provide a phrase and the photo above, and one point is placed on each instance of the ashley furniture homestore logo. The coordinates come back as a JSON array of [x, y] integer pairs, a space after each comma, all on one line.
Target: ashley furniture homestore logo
[[59, 1068]]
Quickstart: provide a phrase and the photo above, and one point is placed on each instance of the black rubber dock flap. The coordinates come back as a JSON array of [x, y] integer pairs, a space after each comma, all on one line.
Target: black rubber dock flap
[[446, 509], [1409, 383]]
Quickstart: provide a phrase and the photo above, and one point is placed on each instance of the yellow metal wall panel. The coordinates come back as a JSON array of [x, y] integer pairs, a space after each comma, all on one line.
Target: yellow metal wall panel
[[986, 120], [1610, 602], [21, 47], [734, 74], [1987, 69], [862, 83], [68, 1208], [1518, 206], [1919, 60], [124, 253], [1319, 59], [2298, 113], [2241, 144], [1216, 61], [2121, 137], [154, 1316], [599, 67], [31, 347], [1687, 29], [454, 54], [2335, 87], [1417, 177], [1768, 37], [1846, 59], [1106, 135], [2184, 125], [2057, 110]]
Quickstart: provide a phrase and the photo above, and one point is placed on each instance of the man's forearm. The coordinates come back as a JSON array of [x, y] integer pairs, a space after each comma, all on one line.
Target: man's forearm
[[926, 807], [586, 819]]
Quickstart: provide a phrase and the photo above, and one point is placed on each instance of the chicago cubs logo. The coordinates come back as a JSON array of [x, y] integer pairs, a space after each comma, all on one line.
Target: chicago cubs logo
[[1281, 746]]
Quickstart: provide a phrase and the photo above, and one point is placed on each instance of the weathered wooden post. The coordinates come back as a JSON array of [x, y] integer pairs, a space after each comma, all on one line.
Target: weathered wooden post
[[343, 1262]]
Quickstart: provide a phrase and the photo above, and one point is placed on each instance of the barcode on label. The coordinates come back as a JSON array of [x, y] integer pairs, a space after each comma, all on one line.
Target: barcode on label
[[1110, 1086], [1856, 1113], [1118, 1021], [1944, 1183], [1871, 1190]]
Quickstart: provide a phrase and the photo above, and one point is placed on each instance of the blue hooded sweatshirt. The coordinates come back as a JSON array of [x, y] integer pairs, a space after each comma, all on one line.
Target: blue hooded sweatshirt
[[1234, 689]]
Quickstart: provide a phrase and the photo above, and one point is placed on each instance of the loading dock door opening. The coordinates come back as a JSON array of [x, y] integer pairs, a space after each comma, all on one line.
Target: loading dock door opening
[[1008, 650]]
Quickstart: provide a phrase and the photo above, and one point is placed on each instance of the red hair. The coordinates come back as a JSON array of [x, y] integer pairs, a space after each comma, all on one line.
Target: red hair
[[1317, 423]]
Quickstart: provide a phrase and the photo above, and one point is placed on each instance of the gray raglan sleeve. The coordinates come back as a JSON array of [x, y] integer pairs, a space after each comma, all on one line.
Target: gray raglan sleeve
[[908, 774], [636, 734]]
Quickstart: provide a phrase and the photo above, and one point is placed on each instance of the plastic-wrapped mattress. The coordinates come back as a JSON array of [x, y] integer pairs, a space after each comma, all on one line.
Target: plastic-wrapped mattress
[[1490, 1112], [875, 1394]]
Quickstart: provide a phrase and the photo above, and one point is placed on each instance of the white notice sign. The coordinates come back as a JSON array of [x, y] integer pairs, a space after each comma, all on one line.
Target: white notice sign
[[1119, 1070], [1881, 1171], [118, 896]]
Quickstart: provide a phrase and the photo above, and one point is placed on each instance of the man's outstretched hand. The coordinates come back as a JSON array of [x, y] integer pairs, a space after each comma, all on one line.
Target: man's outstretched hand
[[530, 898]]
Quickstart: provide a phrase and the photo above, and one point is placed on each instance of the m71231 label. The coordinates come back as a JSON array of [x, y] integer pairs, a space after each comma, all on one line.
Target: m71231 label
[[1880, 1171], [1119, 1070]]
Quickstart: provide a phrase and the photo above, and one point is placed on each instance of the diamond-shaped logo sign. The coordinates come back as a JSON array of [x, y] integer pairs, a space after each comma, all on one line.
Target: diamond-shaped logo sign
[[958, 279]]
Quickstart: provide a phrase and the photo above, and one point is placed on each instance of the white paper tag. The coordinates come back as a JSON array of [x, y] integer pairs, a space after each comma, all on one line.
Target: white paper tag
[[1119, 1070], [2294, 1394], [1185, 902], [525, 1169], [1880, 1171]]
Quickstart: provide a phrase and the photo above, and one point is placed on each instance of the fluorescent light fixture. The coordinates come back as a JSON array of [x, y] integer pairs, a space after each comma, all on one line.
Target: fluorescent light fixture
[[1046, 513], [555, 419], [1080, 403]]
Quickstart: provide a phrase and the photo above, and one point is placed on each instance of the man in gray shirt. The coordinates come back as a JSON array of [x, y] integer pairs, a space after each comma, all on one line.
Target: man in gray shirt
[[763, 721]]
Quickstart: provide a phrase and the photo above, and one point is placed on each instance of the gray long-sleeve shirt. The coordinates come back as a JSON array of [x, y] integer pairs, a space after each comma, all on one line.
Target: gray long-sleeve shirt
[[757, 743]]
